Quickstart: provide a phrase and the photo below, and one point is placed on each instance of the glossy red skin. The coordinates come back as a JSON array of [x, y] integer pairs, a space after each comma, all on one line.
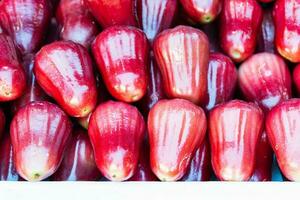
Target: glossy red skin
[[265, 79], [116, 131], [2, 122], [33, 91], [287, 28], [266, 36], [12, 75], [235, 128], [121, 53], [221, 80], [64, 70], [39, 134], [283, 128], [296, 77], [102, 97], [240, 22], [176, 127], [155, 91], [156, 16], [264, 160], [200, 166], [117, 12], [7, 166], [78, 163], [143, 171], [26, 21], [203, 11], [182, 55], [76, 22]]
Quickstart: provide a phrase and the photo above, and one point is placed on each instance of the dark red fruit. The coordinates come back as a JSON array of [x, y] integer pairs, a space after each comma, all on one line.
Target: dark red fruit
[[33, 91], [143, 171], [12, 75], [266, 36], [64, 70], [156, 15], [221, 80], [78, 163], [7, 166], [266, 1], [53, 32], [2, 122], [26, 21], [109, 13], [296, 77], [213, 36], [155, 91], [202, 11], [116, 131], [77, 24], [234, 132], [176, 127], [240, 22], [200, 166], [39, 134], [182, 55], [121, 53], [264, 160]]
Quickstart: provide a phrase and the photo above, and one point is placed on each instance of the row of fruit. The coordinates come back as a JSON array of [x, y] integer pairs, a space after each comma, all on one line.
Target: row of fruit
[[166, 89]]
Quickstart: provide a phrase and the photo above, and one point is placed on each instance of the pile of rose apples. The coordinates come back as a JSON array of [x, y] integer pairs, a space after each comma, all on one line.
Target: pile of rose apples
[[149, 89]]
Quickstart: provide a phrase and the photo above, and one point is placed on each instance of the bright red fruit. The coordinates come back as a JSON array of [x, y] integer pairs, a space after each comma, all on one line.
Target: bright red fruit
[[296, 77], [12, 75], [287, 28], [266, 36], [240, 22], [182, 55], [200, 166], [64, 70], [143, 171], [234, 131], [155, 90], [39, 134], [203, 11], [155, 16], [26, 21], [264, 160], [7, 166], [116, 131], [283, 129], [221, 80], [265, 79], [176, 127], [102, 97], [116, 12], [33, 91], [78, 163], [121, 53], [77, 24]]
